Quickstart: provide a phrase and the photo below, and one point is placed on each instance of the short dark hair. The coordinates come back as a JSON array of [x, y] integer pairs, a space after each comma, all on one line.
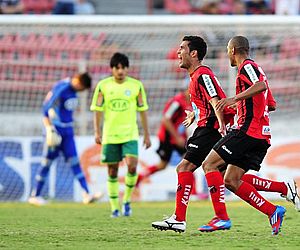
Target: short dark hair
[[85, 79], [119, 58], [241, 44], [197, 43]]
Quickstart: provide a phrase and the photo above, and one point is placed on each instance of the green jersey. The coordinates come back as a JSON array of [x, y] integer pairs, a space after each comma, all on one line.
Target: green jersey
[[120, 103]]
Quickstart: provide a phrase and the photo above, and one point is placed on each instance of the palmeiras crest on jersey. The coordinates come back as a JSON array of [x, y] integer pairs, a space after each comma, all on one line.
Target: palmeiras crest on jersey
[[127, 92]]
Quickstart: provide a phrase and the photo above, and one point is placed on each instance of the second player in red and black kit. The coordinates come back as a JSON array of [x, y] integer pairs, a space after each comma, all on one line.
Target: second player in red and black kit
[[245, 147], [205, 96], [172, 134]]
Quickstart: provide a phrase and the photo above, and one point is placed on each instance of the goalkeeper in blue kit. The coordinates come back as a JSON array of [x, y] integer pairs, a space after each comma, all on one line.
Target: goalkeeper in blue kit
[[58, 109]]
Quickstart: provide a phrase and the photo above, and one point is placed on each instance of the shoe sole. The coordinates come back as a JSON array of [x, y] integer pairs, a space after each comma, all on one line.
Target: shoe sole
[[212, 230], [161, 228]]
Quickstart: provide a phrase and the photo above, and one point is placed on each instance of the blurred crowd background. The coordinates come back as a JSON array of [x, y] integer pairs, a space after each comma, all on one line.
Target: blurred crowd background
[[36, 51], [165, 7]]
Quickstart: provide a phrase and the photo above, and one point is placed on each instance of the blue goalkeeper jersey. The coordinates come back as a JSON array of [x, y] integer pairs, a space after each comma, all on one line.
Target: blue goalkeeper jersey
[[59, 106]]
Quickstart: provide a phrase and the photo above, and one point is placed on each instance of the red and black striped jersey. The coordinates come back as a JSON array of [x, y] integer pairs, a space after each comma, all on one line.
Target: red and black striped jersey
[[204, 86], [253, 114], [175, 111]]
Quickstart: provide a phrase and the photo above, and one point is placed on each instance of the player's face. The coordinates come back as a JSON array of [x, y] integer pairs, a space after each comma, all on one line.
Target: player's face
[[77, 85], [230, 53], [184, 56], [119, 73]]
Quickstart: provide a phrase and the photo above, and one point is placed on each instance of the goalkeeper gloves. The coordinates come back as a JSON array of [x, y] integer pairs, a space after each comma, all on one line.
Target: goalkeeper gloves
[[53, 138]]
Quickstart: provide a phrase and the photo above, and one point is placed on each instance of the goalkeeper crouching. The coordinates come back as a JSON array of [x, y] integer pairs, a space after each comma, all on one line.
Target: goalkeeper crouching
[[58, 109]]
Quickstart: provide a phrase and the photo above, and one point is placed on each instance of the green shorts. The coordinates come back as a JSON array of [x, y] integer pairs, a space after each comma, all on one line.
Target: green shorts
[[113, 153]]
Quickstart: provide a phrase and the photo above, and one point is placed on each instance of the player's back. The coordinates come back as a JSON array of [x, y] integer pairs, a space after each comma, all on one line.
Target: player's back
[[174, 110], [60, 104], [253, 115]]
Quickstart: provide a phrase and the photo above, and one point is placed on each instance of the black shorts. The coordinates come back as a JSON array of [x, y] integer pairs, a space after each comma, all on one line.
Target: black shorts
[[166, 149], [200, 144], [242, 150]]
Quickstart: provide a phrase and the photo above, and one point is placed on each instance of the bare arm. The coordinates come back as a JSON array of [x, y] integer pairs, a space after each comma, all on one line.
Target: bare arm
[[180, 141], [219, 114], [144, 121], [97, 130], [252, 91]]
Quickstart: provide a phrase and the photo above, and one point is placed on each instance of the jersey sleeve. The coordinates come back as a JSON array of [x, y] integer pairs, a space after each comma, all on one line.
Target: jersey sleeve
[[52, 99], [171, 109], [98, 99], [251, 74], [142, 104], [209, 85]]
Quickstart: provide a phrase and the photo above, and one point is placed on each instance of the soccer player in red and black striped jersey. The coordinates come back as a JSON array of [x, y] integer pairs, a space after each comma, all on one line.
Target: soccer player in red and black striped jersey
[[172, 133], [245, 147], [205, 91]]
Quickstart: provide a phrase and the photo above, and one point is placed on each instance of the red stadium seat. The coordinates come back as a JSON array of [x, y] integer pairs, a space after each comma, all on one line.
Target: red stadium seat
[[178, 6], [38, 6]]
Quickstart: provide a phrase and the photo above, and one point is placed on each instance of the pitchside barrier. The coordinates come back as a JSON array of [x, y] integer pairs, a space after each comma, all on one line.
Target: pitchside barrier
[[20, 157]]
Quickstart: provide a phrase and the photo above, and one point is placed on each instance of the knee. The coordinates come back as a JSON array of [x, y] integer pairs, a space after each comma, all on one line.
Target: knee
[[132, 171], [208, 167], [231, 184], [185, 166], [132, 168], [113, 172], [205, 166], [162, 165]]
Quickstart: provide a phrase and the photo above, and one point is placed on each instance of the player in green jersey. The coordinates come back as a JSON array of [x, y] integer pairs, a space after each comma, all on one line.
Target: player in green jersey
[[116, 101]]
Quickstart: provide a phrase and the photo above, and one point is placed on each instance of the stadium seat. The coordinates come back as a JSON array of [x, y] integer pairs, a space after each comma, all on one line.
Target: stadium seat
[[178, 6], [38, 6]]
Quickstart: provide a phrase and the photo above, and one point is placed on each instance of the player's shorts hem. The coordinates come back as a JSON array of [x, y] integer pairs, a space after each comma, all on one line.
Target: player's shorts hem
[[131, 155], [109, 162], [241, 150], [200, 144]]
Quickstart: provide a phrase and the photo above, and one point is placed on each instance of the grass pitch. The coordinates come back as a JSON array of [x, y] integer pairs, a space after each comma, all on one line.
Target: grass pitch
[[77, 226]]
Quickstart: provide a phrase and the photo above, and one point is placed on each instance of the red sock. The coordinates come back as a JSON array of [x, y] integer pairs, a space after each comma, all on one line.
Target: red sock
[[262, 184], [194, 190], [149, 171], [216, 187], [184, 188], [249, 194]]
